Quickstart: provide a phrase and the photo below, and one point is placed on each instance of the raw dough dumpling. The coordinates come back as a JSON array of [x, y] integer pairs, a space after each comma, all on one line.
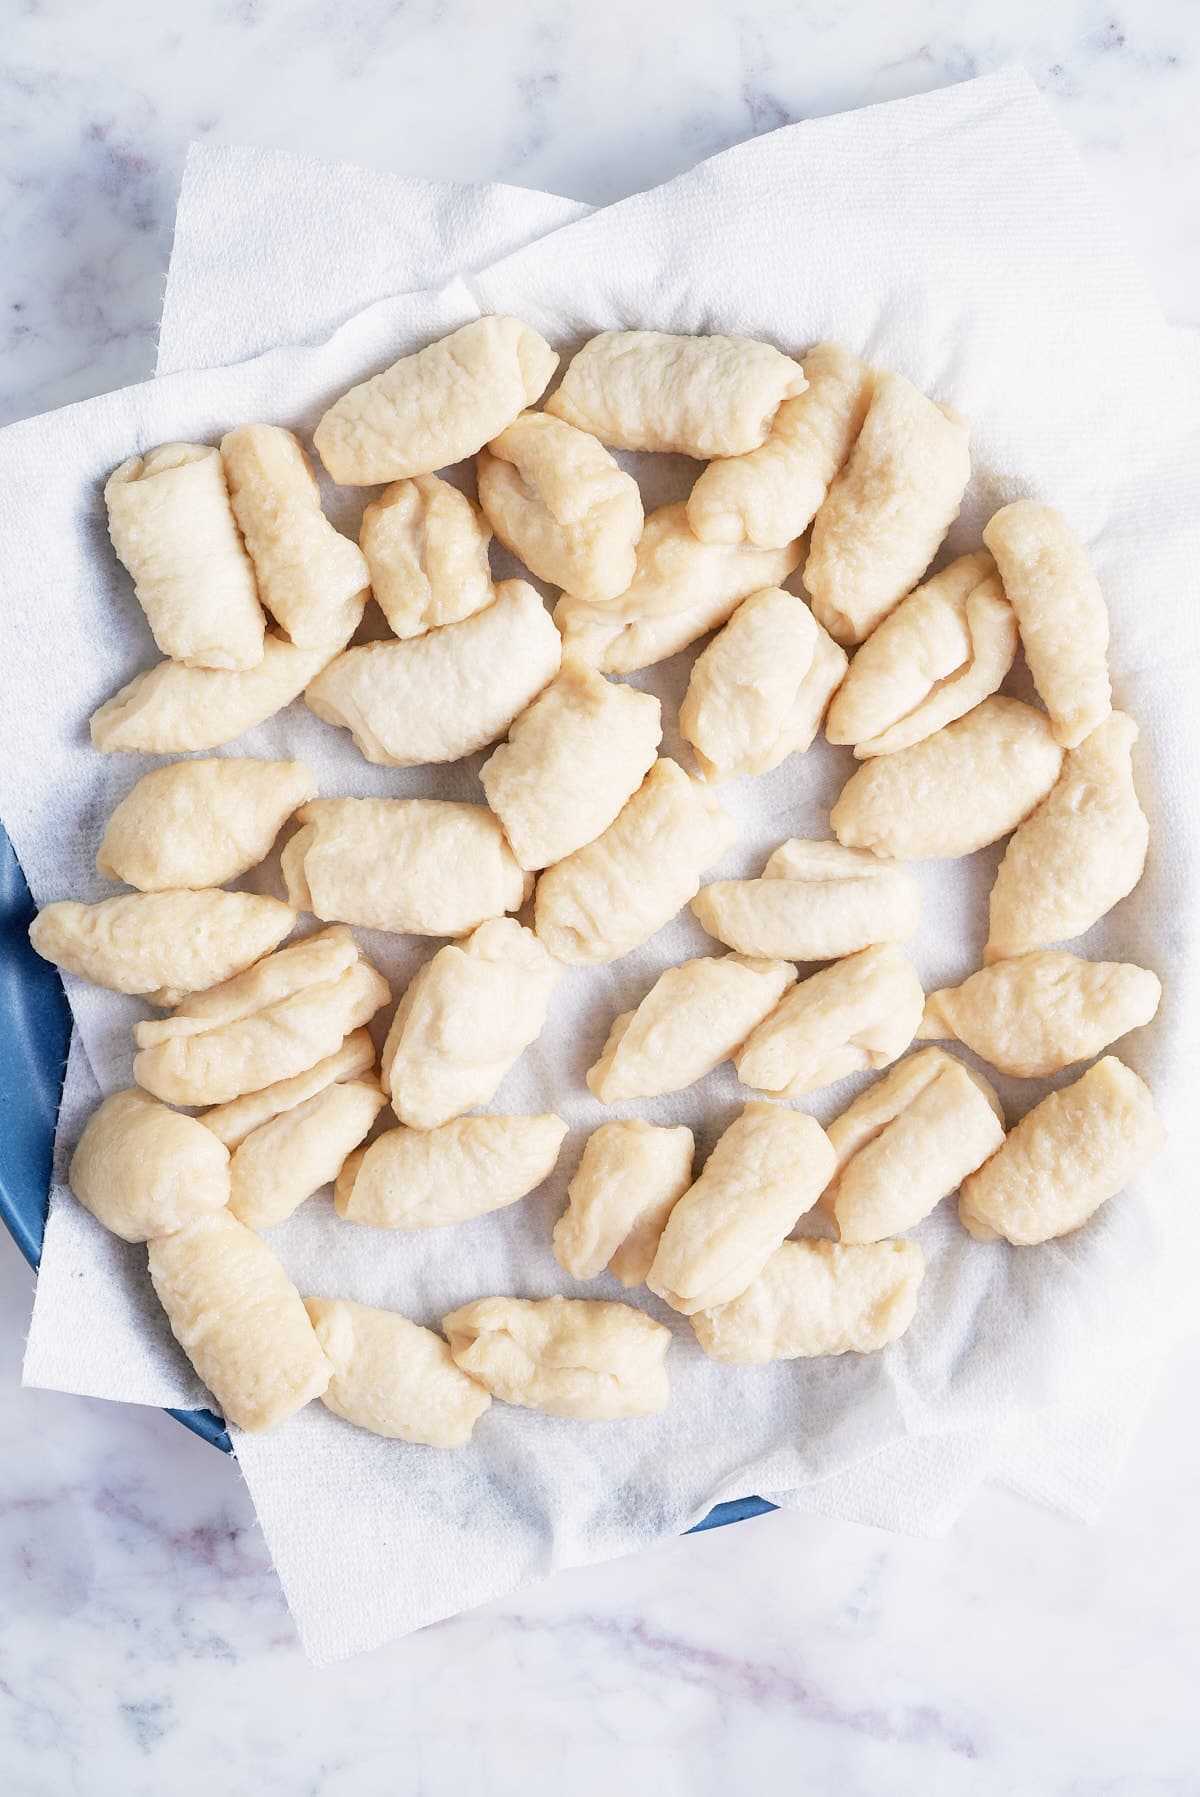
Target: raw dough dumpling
[[423, 867], [171, 524], [427, 551], [435, 407], [612, 895], [143, 1170], [693, 1018], [770, 495], [285, 1161], [1081, 852], [1061, 611], [759, 691], [555, 497], [423, 1178], [239, 1319], [1041, 1012], [572, 760], [393, 1377], [887, 511], [968, 784], [859, 1014], [813, 901], [816, 1298], [231, 1123], [618, 1202], [161, 944], [907, 1142], [443, 695], [939, 654], [201, 823], [572, 1357], [681, 589], [465, 1019], [770, 1166], [1065, 1158], [312, 579], [697, 396]]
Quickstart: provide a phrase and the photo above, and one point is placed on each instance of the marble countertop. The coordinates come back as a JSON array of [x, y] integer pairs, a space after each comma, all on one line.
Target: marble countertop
[[144, 1646]]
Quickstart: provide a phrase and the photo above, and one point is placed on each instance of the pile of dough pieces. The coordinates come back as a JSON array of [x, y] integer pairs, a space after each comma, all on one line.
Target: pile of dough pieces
[[260, 1084]]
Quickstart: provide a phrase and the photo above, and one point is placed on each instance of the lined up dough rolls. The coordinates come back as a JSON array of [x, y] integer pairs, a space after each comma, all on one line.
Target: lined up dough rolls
[[231, 1123], [572, 1357], [143, 1170], [201, 823], [426, 548], [624, 1189], [425, 1178], [855, 1016], [393, 1377], [814, 901], [815, 1298], [284, 1161]]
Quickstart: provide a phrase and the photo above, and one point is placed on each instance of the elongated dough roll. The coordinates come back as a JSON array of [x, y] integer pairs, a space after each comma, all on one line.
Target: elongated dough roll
[[572, 760], [312, 579], [424, 1178], [770, 495], [445, 694], [693, 1018], [427, 551], [913, 804], [814, 1298], [393, 1377], [768, 1168], [1061, 611], [239, 1319], [759, 691], [814, 901], [437, 406], [143, 1170], [571, 1357], [231, 1123], [555, 497], [465, 1019], [283, 1162], [422, 867], [938, 655], [160, 944], [887, 511], [171, 525], [859, 1014], [624, 1189], [612, 895], [201, 823]]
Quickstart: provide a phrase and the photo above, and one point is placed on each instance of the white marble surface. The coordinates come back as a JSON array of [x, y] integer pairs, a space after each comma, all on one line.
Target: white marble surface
[[143, 1643]]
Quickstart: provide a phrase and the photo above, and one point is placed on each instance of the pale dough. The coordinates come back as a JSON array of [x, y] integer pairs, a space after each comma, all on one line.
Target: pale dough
[[144, 1171], [813, 901], [283, 1162], [233, 1122], [814, 1298], [393, 1377], [618, 1202], [201, 823], [573, 1357], [858, 1015], [427, 551], [424, 1178], [160, 944]]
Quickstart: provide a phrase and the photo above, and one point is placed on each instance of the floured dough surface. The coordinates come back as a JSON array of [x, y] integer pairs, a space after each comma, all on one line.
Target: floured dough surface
[[201, 823]]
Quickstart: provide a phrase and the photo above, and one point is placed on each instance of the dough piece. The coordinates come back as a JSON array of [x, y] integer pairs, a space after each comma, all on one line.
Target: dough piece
[[759, 691], [435, 407], [612, 895], [393, 1377], [625, 1187], [231, 1123], [285, 1161], [965, 786], [857, 1015], [815, 1298], [201, 823], [1081, 852], [939, 654], [427, 550], [681, 589], [570, 1357], [422, 867], [445, 694], [887, 511], [160, 944], [1041, 1012], [814, 901], [466, 1018], [1061, 611], [1064, 1159], [697, 396], [239, 1319], [693, 1018], [143, 1170], [555, 497], [312, 579], [906, 1142], [770, 495], [423, 1178], [768, 1168], [571, 762], [171, 525]]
